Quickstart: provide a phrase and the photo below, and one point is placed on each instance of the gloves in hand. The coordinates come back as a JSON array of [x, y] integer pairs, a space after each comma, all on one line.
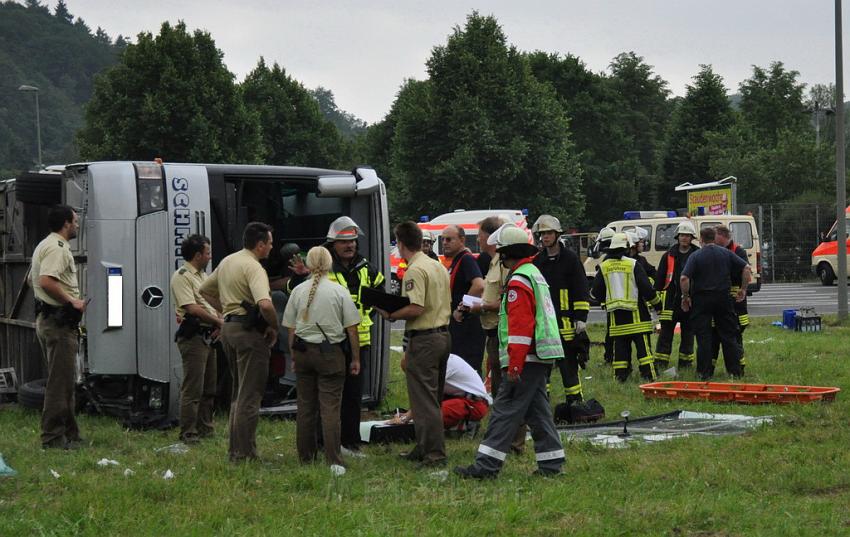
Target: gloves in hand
[[581, 327]]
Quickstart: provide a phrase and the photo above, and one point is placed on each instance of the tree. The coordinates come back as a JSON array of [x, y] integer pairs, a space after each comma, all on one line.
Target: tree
[[772, 101], [294, 130], [348, 124], [483, 132], [170, 96], [704, 109], [61, 12], [101, 36]]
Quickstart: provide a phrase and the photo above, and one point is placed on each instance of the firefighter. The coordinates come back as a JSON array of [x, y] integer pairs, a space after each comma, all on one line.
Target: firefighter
[[568, 287], [354, 272], [723, 237], [667, 283], [603, 240], [624, 287], [58, 309], [529, 341], [428, 240], [637, 243]]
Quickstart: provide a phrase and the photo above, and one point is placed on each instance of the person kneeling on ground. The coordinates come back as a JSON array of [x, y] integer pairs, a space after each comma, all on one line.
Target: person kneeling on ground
[[464, 396]]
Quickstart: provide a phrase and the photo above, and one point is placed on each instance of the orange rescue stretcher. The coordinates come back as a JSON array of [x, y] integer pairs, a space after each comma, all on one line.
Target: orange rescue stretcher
[[738, 393]]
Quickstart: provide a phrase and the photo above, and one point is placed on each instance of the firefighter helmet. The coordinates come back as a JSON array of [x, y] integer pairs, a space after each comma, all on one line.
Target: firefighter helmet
[[343, 229], [619, 240], [686, 228], [546, 222], [605, 234]]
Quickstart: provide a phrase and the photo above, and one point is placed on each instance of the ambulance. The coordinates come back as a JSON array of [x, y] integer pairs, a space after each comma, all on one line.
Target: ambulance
[[660, 227], [468, 220], [825, 256], [133, 218]]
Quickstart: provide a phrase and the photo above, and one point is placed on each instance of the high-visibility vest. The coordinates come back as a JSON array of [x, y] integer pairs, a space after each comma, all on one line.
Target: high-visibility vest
[[671, 264], [621, 292], [364, 329], [547, 340]]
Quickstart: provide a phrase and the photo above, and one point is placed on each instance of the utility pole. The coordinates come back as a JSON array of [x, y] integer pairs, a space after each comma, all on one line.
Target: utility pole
[[840, 174]]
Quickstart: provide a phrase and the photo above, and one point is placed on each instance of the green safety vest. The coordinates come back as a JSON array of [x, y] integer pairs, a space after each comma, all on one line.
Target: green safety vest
[[364, 329], [547, 339], [621, 292]]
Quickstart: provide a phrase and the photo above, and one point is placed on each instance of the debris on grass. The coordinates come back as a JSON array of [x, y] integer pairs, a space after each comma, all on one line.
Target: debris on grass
[[168, 474], [128, 472], [54, 473], [5, 469], [178, 449], [761, 341], [337, 470], [107, 462]]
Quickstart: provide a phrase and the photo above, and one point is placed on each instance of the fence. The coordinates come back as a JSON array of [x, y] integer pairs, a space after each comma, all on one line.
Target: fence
[[789, 232]]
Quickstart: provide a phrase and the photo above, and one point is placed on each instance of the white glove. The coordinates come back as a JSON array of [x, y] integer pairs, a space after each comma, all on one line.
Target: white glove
[[581, 327]]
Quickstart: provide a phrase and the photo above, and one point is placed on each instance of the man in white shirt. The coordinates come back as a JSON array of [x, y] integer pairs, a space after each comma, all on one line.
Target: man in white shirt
[[464, 395]]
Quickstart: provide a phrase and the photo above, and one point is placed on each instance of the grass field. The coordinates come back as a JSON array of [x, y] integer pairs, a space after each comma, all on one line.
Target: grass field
[[790, 478]]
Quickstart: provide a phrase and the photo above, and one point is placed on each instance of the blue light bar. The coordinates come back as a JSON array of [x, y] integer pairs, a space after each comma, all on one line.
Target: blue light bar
[[424, 218]]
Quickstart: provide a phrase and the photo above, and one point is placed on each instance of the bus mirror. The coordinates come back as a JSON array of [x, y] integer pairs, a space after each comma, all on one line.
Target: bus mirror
[[367, 181], [337, 186]]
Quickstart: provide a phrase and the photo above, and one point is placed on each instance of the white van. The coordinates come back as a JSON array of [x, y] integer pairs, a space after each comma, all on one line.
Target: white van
[[133, 219], [661, 230]]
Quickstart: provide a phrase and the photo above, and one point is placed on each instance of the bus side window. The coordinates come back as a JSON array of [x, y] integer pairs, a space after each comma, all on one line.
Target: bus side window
[[664, 237]]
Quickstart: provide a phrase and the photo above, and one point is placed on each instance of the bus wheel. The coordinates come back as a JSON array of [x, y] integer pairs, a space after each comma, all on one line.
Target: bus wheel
[[826, 274]]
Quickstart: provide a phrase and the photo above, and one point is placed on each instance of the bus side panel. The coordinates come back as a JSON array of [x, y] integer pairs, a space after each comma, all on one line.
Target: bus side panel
[[154, 318], [111, 351], [379, 253]]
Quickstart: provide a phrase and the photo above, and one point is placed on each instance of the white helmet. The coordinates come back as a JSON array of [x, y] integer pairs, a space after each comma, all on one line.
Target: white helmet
[[428, 235], [546, 222], [605, 234], [632, 238], [343, 229], [686, 228], [619, 240], [513, 241], [641, 233]]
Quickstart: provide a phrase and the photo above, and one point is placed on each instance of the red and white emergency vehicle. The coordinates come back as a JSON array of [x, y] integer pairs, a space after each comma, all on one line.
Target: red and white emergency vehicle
[[825, 256]]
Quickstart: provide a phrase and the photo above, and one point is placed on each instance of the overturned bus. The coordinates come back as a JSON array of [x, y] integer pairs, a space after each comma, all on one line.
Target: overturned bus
[[133, 219]]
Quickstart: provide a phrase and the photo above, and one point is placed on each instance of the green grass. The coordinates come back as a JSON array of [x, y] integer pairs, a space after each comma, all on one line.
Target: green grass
[[790, 478]]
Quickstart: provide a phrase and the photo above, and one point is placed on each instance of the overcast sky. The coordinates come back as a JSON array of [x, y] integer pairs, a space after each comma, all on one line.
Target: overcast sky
[[363, 50]]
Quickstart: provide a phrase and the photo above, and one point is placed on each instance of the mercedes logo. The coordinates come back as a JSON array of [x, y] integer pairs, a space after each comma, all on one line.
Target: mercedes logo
[[152, 297]]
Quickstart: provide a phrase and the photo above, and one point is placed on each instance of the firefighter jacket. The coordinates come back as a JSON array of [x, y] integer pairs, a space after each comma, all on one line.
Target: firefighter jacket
[[528, 329], [647, 267], [568, 288], [624, 287], [667, 280], [358, 275], [740, 307]]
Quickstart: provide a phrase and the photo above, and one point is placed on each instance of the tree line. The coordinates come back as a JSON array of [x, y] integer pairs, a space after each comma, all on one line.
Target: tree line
[[490, 126]]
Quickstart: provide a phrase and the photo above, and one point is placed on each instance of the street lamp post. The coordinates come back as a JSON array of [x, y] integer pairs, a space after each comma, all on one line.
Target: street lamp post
[[840, 177], [34, 90]]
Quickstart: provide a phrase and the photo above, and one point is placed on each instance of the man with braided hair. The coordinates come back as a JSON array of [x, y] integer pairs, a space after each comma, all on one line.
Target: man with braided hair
[[320, 316]]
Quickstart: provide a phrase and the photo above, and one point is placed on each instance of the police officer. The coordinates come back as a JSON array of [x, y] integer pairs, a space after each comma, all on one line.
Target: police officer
[[198, 324], [707, 277], [624, 287], [568, 287], [239, 288], [428, 343], [723, 238], [320, 316], [667, 283], [58, 308], [529, 341]]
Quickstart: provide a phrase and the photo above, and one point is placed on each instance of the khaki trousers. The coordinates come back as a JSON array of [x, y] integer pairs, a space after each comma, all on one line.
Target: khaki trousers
[[320, 379], [427, 356], [197, 393], [59, 345], [248, 357]]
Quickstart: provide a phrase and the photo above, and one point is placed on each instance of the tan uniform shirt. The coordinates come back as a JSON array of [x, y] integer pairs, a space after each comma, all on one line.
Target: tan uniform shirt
[[185, 288], [426, 284], [332, 309], [53, 257], [494, 283], [238, 277]]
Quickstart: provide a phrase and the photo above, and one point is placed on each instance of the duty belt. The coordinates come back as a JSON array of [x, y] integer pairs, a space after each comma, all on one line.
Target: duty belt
[[236, 318], [414, 333]]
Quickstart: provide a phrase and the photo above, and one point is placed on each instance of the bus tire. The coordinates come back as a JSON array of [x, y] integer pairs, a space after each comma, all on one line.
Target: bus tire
[[31, 394], [826, 274]]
